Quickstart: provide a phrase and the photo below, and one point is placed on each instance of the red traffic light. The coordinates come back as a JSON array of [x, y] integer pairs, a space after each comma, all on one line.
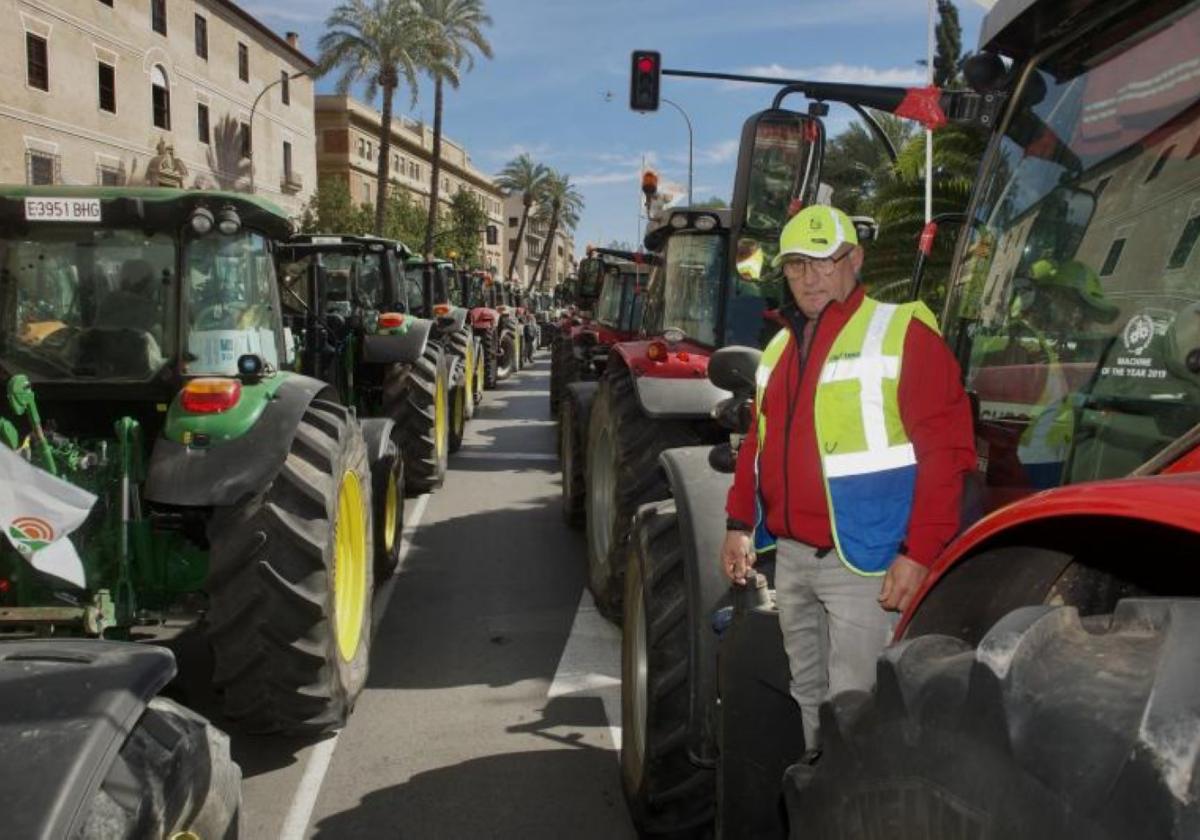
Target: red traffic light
[[646, 64], [645, 69]]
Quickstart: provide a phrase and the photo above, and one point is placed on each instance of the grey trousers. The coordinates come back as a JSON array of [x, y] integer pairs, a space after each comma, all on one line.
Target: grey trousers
[[833, 627]]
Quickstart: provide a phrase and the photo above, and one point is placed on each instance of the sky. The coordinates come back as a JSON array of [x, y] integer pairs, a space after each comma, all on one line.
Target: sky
[[558, 86]]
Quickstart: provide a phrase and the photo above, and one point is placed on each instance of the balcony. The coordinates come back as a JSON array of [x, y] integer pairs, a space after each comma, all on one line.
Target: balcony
[[291, 183]]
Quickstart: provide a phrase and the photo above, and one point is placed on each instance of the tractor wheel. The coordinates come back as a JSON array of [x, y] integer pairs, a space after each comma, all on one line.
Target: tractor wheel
[[1054, 726], [622, 475], [459, 399], [418, 399], [479, 356], [290, 582], [387, 491], [506, 359], [564, 369], [461, 345], [666, 792], [571, 440], [173, 777], [491, 358]]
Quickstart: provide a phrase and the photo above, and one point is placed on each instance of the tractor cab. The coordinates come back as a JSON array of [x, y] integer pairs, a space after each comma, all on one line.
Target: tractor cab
[[432, 286], [624, 276]]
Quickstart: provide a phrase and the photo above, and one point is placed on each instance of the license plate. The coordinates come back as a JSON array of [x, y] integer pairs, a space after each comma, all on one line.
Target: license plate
[[62, 210]]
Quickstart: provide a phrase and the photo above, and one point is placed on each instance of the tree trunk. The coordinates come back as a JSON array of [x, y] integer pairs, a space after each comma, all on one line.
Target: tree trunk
[[383, 171], [545, 257], [512, 263], [431, 223]]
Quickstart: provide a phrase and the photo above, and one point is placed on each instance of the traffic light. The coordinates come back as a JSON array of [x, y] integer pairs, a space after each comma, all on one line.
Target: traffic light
[[643, 80]]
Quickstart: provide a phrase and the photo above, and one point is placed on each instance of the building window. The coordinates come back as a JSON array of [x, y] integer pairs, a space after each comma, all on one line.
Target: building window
[[247, 141], [367, 192], [158, 16], [493, 235], [202, 37], [109, 176], [41, 168], [243, 62], [395, 162], [107, 3], [202, 123], [362, 147], [37, 66], [512, 244], [370, 151], [1159, 164], [287, 160], [285, 87], [513, 221], [160, 98], [1114, 257], [107, 84], [1187, 241]]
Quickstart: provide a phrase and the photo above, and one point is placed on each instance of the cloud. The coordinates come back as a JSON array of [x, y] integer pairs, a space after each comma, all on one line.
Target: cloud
[[593, 179], [716, 154], [859, 74], [538, 151]]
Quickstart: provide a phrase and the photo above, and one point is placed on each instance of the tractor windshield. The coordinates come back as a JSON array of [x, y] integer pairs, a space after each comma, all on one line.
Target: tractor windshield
[[688, 285], [230, 304], [87, 304], [608, 305], [1075, 310]]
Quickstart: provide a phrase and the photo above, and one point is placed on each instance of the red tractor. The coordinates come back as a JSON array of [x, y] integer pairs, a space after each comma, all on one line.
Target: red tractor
[[475, 292], [1044, 682], [582, 356]]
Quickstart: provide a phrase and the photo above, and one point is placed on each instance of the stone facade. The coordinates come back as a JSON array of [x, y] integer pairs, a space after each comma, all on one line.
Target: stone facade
[[561, 260], [153, 92], [348, 148]]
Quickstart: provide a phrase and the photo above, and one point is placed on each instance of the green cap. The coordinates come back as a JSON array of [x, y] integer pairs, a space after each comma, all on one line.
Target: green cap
[[817, 231]]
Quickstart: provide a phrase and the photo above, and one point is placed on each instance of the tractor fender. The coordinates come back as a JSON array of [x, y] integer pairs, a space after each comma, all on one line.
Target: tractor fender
[[189, 476], [699, 494], [62, 738], [459, 316], [483, 318], [674, 389], [398, 348], [377, 432]]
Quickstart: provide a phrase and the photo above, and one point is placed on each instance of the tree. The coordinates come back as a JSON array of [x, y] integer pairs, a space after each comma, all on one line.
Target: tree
[[330, 210], [713, 203], [405, 218], [522, 175], [947, 59], [465, 222], [379, 42], [561, 206], [857, 164], [458, 26]]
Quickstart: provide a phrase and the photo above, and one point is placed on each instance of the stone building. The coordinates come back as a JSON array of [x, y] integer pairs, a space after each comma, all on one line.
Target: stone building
[[348, 149], [559, 263], [158, 92]]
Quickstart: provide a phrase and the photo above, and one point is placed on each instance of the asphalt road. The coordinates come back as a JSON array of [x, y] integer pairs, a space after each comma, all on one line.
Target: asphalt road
[[493, 706]]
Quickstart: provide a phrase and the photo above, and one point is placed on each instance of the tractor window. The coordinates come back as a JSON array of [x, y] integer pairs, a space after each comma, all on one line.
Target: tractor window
[[691, 285], [231, 308], [87, 305], [372, 293], [631, 300], [1085, 354], [608, 305]]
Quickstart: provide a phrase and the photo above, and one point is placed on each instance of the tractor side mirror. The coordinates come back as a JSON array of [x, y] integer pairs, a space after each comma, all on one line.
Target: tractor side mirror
[[778, 169], [733, 368]]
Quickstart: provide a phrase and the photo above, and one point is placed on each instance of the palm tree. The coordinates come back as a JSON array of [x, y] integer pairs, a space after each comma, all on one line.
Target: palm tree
[[522, 175], [458, 26], [381, 43], [561, 204]]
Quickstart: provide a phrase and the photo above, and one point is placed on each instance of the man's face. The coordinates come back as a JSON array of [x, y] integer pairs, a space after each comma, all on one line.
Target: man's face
[[814, 283]]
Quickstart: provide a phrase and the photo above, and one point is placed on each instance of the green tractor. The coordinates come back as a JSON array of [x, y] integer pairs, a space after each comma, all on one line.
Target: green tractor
[[146, 363], [347, 298]]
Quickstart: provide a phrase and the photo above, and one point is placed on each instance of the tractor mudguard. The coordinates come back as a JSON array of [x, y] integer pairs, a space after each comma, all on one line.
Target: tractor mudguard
[[377, 432], [62, 738], [677, 399], [459, 316], [192, 476], [398, 348], [700, 502]]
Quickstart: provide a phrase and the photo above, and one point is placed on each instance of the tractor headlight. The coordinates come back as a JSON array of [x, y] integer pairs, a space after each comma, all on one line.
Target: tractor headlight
[[228, 221], [202, 221]]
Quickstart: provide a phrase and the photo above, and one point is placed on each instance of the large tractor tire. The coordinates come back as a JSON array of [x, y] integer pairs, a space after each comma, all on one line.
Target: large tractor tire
[[572, 439], [173, 777], [623, 474], [387, 492], [667, 794], [461, 345], [1054, 726], [506, 354], [491, 358], [419, 401], [477, 380], [564, 369], [290, 583]]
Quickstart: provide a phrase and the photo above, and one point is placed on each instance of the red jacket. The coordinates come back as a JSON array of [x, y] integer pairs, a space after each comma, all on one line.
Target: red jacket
[[936, 415]]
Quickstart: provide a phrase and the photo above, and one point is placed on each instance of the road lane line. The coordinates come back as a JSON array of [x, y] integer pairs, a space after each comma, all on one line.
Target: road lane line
[[590, 665], [505, 456], [295, 824]]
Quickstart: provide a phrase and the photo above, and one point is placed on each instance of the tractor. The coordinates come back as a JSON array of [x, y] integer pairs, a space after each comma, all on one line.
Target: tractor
[[345, 298], [146, 365], [475, 292], [511, 357], [575, 300], [1043, 681]]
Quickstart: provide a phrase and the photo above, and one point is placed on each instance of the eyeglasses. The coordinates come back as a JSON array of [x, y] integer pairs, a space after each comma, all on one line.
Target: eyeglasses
[[824, 267]]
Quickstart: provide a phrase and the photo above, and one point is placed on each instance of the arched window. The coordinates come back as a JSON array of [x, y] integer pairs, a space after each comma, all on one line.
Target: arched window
[[161, 95]]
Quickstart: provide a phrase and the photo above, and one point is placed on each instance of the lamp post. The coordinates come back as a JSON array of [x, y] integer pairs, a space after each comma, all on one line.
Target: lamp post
[[687, 120], [254, 107]]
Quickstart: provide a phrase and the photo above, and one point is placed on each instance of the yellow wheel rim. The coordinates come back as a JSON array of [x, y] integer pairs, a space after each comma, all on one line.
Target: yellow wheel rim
[[469, 365], [460, 408], [349, 567], [439, 417], [391, 510]]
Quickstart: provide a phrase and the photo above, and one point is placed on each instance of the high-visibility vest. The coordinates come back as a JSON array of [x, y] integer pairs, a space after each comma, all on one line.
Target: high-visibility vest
[[867, 461]]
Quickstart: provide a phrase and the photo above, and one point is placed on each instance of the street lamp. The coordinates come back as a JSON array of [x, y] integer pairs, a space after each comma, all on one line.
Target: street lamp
[[254, 107], [687, 120]]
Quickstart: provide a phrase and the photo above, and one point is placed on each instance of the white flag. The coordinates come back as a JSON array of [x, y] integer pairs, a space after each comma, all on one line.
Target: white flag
[[37, 511]]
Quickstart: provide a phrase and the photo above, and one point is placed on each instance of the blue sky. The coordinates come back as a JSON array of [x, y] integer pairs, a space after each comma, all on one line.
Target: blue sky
[[544, 92]]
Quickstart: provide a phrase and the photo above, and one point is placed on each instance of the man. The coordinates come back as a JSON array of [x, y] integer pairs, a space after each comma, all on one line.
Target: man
[[863, 436]]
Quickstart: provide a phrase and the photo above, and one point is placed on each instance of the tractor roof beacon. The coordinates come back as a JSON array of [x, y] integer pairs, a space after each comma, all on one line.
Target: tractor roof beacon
[[1043, 683], [141, 342]]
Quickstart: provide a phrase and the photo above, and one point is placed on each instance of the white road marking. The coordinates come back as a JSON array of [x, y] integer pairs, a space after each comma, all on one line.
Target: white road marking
[[591, 664], [492, 455], [295, 824]]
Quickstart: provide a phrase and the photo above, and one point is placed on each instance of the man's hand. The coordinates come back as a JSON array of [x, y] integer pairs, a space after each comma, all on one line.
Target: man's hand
[[900, 583], [737, 556]]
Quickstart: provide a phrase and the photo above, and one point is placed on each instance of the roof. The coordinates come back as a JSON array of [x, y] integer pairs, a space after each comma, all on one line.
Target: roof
[[1020, 29], [238, 12], [366, 240], [657, 236]]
